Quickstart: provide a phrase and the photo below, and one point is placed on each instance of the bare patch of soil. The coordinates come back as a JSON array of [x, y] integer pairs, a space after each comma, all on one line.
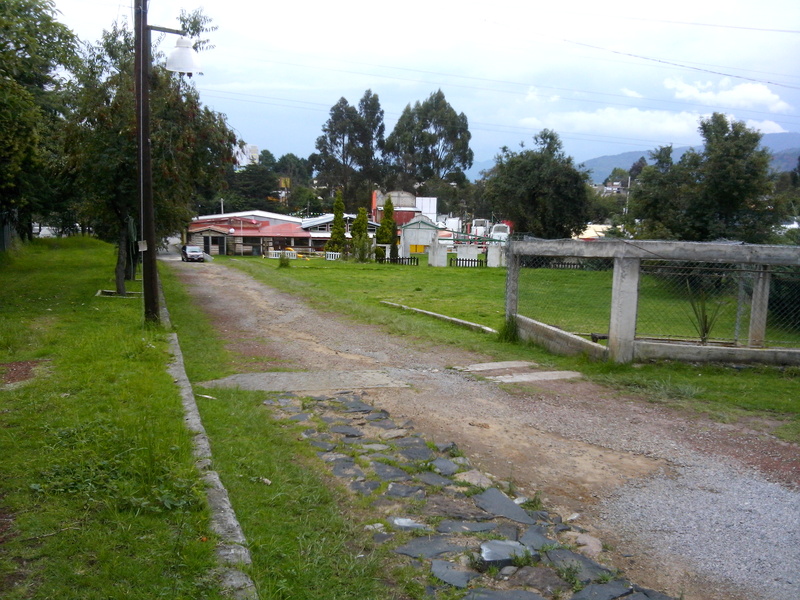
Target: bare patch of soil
[[575, 441], [16, 372]]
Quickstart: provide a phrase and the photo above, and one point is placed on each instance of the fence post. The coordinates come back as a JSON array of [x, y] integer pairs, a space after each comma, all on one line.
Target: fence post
[[624, 302], [758, 308], [512, 283]]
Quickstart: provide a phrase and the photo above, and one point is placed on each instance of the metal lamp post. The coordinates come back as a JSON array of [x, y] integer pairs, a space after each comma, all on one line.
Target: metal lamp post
[[181, 60]]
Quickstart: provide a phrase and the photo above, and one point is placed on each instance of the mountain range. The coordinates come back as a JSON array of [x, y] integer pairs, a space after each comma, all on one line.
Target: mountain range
[[785, 149]]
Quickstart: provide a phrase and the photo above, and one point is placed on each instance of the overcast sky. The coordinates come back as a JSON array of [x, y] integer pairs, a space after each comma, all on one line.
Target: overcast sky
[[607, 77]]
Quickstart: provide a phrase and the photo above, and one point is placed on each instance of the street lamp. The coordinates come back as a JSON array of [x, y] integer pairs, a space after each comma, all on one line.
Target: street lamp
[[181, 60]]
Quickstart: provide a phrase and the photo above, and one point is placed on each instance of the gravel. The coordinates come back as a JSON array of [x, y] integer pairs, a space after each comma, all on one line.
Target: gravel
[[731, 523]]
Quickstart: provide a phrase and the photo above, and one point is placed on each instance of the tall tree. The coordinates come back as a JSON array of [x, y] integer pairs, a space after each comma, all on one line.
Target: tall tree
[[360, 244], [370, 138], [387, 230], [338, 238], [337, 147], [725, 191], [191, 147], [541, 191], [33, 47], [429, 141], [348, 151]]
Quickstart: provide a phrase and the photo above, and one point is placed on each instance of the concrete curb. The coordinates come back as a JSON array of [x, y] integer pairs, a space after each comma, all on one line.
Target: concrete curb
[[232, 550], [463, 323]]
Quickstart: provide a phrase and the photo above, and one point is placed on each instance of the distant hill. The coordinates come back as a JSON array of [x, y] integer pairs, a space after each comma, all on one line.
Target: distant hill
[[785, 149]]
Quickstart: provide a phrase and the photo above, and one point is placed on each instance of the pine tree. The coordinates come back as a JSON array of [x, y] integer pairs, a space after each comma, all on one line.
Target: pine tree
[[337, 241]]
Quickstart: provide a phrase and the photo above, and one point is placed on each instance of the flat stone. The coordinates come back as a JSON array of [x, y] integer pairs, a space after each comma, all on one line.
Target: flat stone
[[324, 446], [445, 466], [393, 434], [375, 447], [493, 366], [347, 431], [536, 376], [452, 574], [541, 578], [384, 424], [650, 594], [406, 524], [416, 453], [377, 415], [356, 406], [474, 477], [433, 479], [604, 591], [398, 490], [347, 468], [365, 488], [412, 441], [501, 553], [449, 526], [301, 417], [508, 531], [445, 446], [448, 507], [389, 473], [487, 594], [430, 546], [588, 570], [497, 503], [535, 537]]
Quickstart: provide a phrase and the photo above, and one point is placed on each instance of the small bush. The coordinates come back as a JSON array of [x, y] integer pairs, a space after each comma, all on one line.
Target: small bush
[[284, 262]]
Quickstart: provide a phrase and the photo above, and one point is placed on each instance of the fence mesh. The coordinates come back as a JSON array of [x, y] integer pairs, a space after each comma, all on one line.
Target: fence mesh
[[678, 300]]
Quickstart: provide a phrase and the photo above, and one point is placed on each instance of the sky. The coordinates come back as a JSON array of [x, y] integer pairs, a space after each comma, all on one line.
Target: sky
[[607, 77]]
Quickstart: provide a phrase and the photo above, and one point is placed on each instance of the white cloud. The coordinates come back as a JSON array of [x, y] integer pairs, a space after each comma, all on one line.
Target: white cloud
[[628, 123], [534, 95], [766, 126], [631, 93], [742, 95]]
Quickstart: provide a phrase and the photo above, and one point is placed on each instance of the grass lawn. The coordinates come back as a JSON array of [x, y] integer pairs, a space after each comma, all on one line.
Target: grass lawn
[[97, 483]]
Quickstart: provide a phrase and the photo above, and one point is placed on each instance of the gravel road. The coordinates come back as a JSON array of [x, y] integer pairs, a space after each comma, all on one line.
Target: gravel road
[[688, 505]]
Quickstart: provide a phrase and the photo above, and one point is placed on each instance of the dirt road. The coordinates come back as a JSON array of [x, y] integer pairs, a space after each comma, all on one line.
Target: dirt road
[[588, 449]]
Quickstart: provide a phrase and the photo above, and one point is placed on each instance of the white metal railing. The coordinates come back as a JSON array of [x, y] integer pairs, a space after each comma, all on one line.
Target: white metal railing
[[333, 255]]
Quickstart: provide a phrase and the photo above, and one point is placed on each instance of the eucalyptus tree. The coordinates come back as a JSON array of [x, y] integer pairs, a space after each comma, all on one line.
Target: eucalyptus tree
[[349, 150], [429, 141]]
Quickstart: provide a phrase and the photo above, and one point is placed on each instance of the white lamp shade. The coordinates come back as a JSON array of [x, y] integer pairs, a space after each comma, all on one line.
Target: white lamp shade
[[183, 59]]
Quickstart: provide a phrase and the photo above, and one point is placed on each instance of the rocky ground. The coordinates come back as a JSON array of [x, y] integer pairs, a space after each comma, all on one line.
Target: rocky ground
[[686, 505]]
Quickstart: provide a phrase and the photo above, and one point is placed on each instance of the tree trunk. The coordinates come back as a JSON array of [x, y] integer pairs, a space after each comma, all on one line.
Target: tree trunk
[[122, 258]]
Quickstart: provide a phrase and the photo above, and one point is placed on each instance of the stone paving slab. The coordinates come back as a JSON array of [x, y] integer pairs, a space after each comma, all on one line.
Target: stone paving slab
[[535, 376], [493, 366], [314, 381]]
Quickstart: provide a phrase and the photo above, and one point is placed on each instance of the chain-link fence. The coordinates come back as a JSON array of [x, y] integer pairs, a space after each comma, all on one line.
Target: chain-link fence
[[695, 302], [710, 303]]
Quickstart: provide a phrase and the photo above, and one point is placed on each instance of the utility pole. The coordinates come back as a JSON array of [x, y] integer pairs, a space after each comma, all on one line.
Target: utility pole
[[147, 245]]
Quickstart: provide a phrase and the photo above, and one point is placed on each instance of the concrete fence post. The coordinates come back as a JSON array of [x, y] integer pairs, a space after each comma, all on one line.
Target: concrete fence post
[[758, 308], [624, 303], [512, 282]]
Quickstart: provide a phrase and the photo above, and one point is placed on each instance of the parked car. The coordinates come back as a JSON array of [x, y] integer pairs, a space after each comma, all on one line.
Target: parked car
[[192, 254]]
